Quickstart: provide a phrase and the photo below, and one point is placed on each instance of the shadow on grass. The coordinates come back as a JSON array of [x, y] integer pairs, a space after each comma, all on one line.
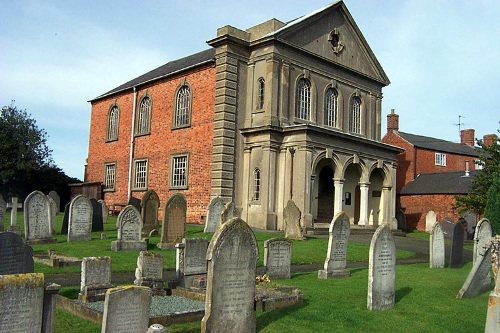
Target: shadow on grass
[[402, 292], [268, 317], [358, 270]]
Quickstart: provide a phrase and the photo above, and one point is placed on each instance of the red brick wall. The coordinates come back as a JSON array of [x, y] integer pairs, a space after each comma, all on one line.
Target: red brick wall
[[416, 208], [405, 169], [426, 162], [161, 143]]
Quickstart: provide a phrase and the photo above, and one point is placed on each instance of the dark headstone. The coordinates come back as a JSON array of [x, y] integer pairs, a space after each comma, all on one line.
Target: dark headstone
[[401, 218], [135, 202], [15, 256], [97, 221], [150, 203], [65, 223], [457, 245], [448, 225], [475, 283], [3, 208], [466, 228]]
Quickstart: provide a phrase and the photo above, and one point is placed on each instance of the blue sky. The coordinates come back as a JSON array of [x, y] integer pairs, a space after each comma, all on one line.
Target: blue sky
[[442, 57]]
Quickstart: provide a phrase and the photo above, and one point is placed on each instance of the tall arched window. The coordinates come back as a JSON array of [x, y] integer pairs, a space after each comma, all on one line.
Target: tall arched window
[[331, 97], [355, 115], [113, 119], [260, 97], [182, 107], [256, 184], [303, 99], [144, 116]]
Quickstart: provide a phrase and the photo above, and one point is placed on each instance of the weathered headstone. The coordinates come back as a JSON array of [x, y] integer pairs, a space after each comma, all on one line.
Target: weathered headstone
[[149, 204], [157, 328], [15, 256], [471, 219], [401, 218], [80, 219], [482, 238], [382, 270], [53, 213], [336, 257], [97, 221], [228, 212], [126, 310], [430, 220], [129, 231], [37, 229], [437, 254], [95, 278], [448, 226], [191, 262], [475, 283], [278, 257], [13, 216], [291, 216], [149, 272], [21, 302], [493, 314], [57, 200], [3, 208], [105, 210], [232, 257], [457, 246], [174, 222], [64, 226], [214, 212]]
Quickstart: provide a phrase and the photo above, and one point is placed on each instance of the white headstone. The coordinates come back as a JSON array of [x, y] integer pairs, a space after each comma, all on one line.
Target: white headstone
[[80, 219], [437, 254], [37, 215], [95, 278], [482, 238], [129, 231], [430, 220], [278, 257], [214, 211], [149, 272], [336, 257]]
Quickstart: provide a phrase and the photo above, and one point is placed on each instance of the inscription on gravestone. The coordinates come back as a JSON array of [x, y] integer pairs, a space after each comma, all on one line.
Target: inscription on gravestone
[[150, 203], [129, 231], [80, 219], [15, 256], [278, 257], [95, 278], [37, 227], [336, 262], [437, 248], [174, 222]]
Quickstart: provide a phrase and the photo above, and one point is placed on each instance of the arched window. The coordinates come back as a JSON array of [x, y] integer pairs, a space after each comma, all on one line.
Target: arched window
[[144, 116], [303, 99], [331, 97], [260, 97], [355, 115], [113, 119], [182, 107], [256, 184]]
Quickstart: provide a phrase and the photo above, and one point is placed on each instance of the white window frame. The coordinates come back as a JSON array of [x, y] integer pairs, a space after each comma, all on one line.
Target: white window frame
[[143, 125], [440, 159], [140, 174], [331, 107], [303, 99], [257, 182], [355, 115], [109, 176], [183, 101], [179, 171], [112, 124]]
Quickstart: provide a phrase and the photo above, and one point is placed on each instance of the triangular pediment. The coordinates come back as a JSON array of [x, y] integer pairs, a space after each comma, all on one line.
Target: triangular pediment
[[332, 34]]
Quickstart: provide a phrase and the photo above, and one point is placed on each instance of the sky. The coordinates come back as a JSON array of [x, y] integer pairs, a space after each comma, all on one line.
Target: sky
[[442, 57]]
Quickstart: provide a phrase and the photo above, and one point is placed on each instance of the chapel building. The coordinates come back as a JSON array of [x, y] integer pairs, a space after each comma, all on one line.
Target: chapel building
[[276, 112]]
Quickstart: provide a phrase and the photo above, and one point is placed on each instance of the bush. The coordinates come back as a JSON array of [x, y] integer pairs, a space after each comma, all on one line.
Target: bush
[[492, 209]]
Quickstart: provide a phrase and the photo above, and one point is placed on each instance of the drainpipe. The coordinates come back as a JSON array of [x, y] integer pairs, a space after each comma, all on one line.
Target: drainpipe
[[292, 153], [131, 160]]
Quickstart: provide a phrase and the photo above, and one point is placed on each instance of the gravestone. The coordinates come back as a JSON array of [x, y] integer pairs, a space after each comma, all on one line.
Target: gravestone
[[466, 228], [3, 208], [13, 216], [174, 222], [232, 257], [382, 270], [401, 218], [493, 314], [291, 217], [482, 238], [191, 263], [95, 279], [105, 211], [129, 231], [278, 257], [15, 256], [57, 200], [21, 303], [135, 202], [53, 213], [228, 212], [336, 262], [150, 203], [97, 221], [157, 328], [37, 228], [471, 219], [149, 272], [80, 219], [430, 220], [64, 227], [457, 246], [448, 226], [126, 310], [437, 254], [475, 283], [214, 212]]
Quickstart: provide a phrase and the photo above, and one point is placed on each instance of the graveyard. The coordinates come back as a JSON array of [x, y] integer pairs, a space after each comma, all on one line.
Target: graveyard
[[424, 299]]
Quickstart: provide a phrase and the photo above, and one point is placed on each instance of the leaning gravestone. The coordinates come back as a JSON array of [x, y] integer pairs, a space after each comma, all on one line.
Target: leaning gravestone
[[457, 246], [448, 226], [65, 222], [232, 257], [228, 212], [436, 247], [57, 200], [37, 228], [430, 220], [97, 221], [80, 219], [191, 262], [3, 208], [482, 238], [95, 278], [21, 303], [475, 283], [382, 270], [291, 216], [214, 211], [149, 272], [129, 231], [336, 257], [149, 209], [15, 256], [105, 210], [53, 213], [126, 310], [278, 257], [174, 222]]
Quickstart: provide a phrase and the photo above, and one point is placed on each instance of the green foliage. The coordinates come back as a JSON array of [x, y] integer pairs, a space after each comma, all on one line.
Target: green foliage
[[492, 210], [476, 199]]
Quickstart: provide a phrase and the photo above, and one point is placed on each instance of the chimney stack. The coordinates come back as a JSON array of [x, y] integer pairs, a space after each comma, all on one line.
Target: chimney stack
[[392, 122], [467, 137], [489, 139]]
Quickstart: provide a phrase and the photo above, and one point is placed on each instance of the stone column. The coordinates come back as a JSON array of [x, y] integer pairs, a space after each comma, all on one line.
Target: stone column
[[363, 203], [246, 183], [338, 196], [49, 307], [387, 205]]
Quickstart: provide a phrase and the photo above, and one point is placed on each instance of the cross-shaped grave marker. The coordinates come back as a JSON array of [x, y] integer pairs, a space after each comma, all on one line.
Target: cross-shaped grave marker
[[14, 205]]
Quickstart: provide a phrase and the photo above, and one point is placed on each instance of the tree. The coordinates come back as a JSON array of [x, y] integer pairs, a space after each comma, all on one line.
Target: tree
[[477, 198], [492, 209]]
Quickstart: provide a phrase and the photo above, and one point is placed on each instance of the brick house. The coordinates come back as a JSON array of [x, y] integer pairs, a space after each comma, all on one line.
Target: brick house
[[276, 112], [431, 172]]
